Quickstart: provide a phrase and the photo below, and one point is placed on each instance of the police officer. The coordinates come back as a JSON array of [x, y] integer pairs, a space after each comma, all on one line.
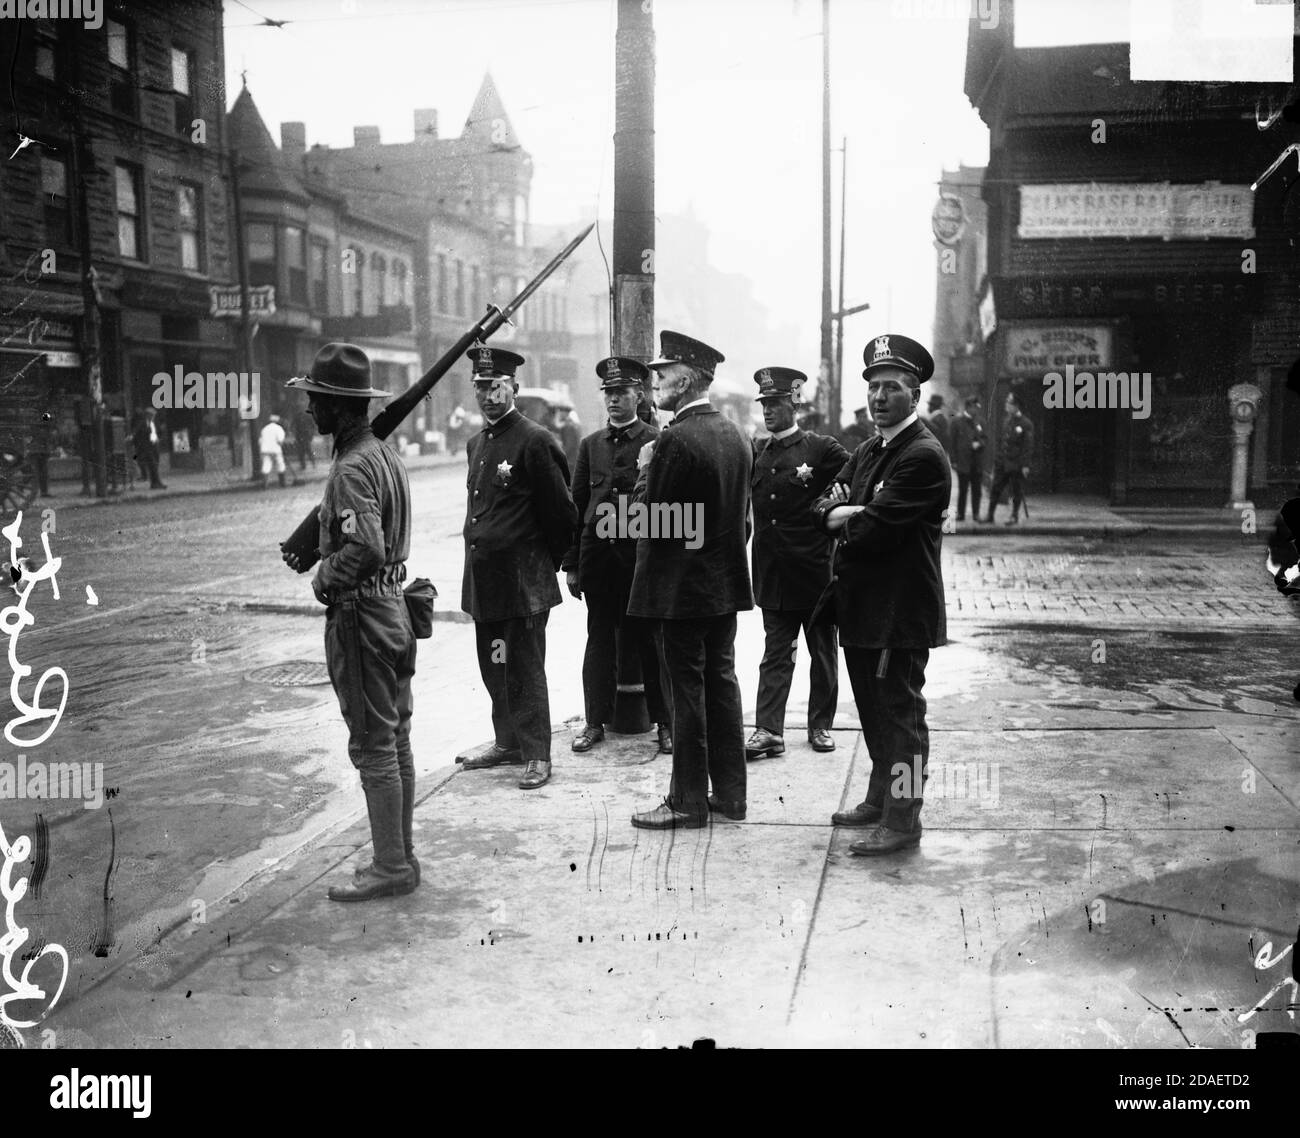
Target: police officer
[[519, 523], [1015, 444], [365, 536], [792, 564], [694, 584], [600, 567], [886, 507]]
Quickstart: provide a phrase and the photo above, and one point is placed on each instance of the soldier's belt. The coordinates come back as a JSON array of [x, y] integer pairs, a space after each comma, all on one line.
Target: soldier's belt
[[386, 583]]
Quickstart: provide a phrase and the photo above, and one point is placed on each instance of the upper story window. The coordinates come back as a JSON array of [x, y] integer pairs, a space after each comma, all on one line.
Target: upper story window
[[380, 268], [400, 283], [182, 77], [318, 271], [475, 291], [189, 215], [358, 283], [130, 232], [460, 288], [49, 56], [442, 298], [122, 67], [295, 255], [261, 254], [54, 196]]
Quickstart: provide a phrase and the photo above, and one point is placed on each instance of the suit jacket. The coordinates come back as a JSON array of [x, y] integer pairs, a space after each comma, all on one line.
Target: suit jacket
[[966, 432], [1016, 443], [519, 520], [888, 588], [792, 553], [703, 462], [941, 428], [605, 470]]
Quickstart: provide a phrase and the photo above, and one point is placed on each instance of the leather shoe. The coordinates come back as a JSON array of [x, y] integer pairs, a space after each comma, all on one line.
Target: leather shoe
[[362, 870], [494, 756], [762, 744], [665, 739], [733, 810], [883, 840], [537, 773], [372, 882], [664, 817], [589, 737], [821, 740], [863, 814]]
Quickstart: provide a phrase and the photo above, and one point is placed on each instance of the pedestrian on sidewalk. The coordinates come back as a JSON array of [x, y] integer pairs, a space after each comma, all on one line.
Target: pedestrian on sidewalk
[[792, 565], [600, 567], [968, 457], [695, 582], [145, 438], [1014, 448], [365, 537], [937, 421], [886, 507], [519, 524], [271, 444], [303, 432]]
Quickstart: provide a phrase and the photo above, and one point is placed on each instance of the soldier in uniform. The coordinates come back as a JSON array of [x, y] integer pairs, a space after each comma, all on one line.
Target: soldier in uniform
[[695, 585], [886, 507], [601, 566], [968, 457], [519, 523], [792, 564], [1012, 467], [365, 536]]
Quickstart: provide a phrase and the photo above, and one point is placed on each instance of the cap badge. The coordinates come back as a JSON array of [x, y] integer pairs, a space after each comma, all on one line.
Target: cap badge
[[765, 376], [611, 368], [881, 349], [485, 355]]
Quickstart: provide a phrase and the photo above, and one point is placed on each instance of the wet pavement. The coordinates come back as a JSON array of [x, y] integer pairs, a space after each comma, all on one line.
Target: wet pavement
[[1111, 824]]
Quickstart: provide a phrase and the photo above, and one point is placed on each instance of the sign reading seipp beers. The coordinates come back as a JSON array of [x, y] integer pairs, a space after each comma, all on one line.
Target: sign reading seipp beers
[[1137, 209], [227, 301], [1034, 351]]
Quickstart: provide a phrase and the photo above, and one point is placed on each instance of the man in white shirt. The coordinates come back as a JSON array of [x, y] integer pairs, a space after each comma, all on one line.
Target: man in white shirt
[[271, 443]]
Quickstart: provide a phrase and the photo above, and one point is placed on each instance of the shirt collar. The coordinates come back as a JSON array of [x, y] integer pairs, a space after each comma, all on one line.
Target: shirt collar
[[888, 434], [787, 432], [352, 436], [506, 421], [693, 403]]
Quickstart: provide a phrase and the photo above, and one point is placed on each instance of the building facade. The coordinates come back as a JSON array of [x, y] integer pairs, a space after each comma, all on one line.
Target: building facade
[[960, 225], [1124, 238]]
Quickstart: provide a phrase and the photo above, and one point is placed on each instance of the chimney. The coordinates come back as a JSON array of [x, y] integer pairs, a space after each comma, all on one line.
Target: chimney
[[293, 140], [365, 136], [426, 124]]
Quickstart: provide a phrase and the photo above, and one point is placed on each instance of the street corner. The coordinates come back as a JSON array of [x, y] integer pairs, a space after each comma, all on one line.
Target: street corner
[[1193, 955]]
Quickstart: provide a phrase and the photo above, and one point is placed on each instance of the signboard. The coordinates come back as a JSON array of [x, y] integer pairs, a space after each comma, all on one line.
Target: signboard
[[62, 359], [227, 301], [1068, 296], [1136, 209], [1273, 339], [1036, 351], [948, 219]]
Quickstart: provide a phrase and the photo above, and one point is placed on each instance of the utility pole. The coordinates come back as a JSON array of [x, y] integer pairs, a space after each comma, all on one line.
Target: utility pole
[[245, 317], [825, 378], [837, 377], [632, 327], [82, 168]]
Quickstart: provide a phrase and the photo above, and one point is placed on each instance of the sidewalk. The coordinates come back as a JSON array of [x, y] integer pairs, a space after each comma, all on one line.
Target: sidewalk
[[1089, 515], [221, 480], [1097, 872]]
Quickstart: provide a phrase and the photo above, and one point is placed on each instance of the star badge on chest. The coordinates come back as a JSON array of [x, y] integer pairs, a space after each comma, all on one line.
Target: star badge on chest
[[803, 472], [504, 469]]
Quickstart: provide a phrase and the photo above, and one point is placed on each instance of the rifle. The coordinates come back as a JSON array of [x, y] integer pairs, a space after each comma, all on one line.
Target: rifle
[[304, 540]]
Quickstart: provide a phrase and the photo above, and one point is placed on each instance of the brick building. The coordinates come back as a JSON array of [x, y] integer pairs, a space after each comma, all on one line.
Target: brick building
[[961, 262], [1123, 234], [133, 111]]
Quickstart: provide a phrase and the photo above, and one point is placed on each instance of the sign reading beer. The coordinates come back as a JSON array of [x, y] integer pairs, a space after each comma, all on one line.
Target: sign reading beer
[[1035, 351], [948, 219], [1137, 209], [227, 301]]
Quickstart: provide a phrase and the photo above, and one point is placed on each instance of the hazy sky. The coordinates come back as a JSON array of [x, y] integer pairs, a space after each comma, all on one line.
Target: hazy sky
[[738, 120]]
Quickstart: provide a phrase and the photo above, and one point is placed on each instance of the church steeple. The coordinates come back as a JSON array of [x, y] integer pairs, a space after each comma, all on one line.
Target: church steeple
[[488, 121]]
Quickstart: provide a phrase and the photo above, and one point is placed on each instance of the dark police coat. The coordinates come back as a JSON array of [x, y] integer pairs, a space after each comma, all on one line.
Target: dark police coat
[[888, 589], [792, 554], [701, 460], [967, 431], [605, 469], [519, 520]]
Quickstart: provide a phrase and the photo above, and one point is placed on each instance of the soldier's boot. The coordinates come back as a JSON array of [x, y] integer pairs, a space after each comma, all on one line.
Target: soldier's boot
[[266, 481], [408, 823], [388, 875], [282, 480]]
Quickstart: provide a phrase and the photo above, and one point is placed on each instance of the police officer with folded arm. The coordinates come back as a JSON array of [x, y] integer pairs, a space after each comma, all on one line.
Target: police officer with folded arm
[[886, 508], [792, 564], [519, 523], [600, 562], [365, 536]]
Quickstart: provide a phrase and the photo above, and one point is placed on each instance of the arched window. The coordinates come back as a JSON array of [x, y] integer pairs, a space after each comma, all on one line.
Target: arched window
[[358, 289], [399, 272], [380, 268]]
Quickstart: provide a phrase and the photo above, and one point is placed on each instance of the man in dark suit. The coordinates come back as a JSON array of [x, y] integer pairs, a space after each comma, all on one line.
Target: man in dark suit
[[145, 438], [792, 564], [886, 507], [938, 423], [967, 456], [600, 562], [519, 523], [694, 578], [1015, 445]]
